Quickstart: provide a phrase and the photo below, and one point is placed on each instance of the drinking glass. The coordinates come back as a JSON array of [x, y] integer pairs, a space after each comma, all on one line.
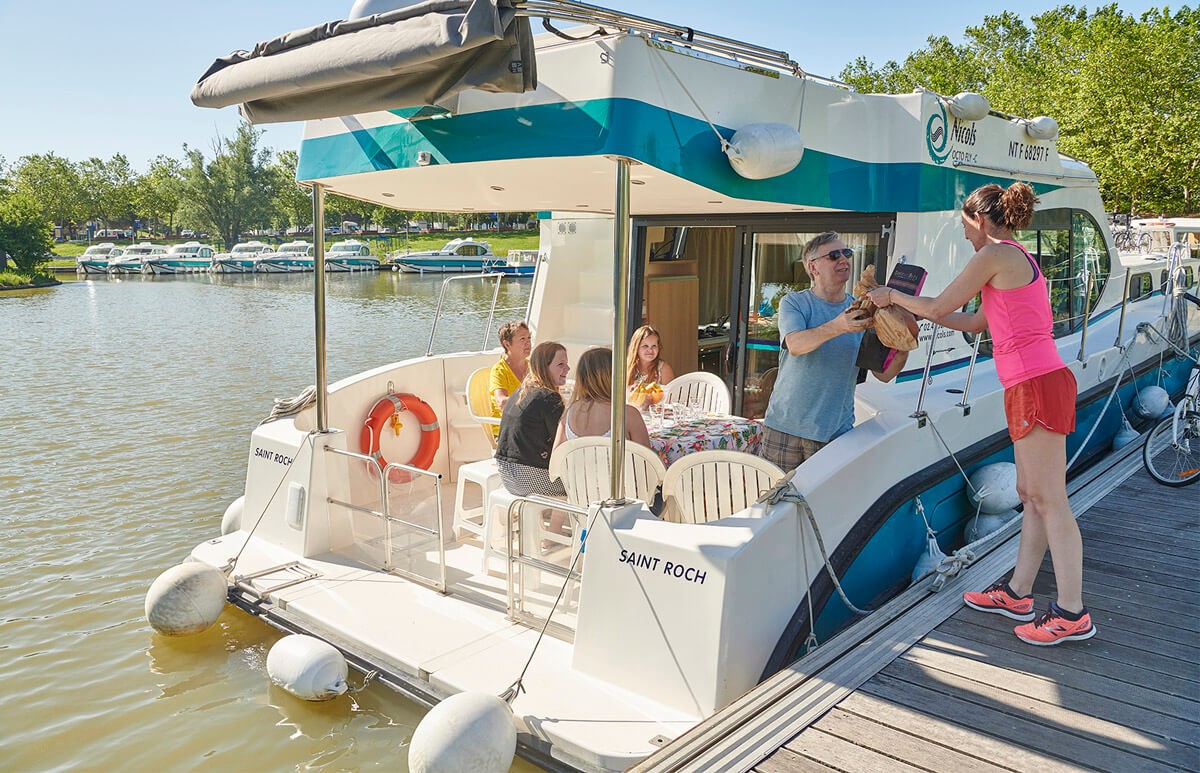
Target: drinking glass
[[696, 407]]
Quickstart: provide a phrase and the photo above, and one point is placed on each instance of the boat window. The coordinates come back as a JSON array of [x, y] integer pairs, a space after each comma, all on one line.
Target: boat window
[[1189, 277], [1162, 280], [1140, 286], [1069, 247]]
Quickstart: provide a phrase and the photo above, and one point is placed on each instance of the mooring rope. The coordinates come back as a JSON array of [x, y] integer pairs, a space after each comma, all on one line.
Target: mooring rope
[[785, 492], [290, 406]]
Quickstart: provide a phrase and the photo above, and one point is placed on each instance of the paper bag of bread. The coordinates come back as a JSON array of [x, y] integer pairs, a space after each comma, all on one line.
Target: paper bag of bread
[[896, 327]]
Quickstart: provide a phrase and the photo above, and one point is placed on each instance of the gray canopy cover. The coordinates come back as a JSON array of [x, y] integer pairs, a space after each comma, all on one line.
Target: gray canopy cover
[[424, 54]]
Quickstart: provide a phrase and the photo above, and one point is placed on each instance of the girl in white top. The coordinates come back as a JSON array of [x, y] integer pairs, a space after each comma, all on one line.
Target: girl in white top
[[590, 410]]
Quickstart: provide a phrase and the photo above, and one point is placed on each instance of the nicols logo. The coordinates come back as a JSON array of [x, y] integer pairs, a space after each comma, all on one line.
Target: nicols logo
[[937, 137]]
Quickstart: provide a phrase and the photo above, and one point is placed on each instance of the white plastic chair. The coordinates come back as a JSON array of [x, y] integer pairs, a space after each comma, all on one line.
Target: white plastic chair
[[484, 473], [479, 402], [583, 465], [709, 389], [708, 485]]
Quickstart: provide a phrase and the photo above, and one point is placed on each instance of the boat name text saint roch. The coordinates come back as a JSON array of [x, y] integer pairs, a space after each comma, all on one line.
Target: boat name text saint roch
[[272, 456], [671, 568]]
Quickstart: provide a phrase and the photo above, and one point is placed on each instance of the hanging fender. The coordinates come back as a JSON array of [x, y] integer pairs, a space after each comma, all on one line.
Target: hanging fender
[[380, 416]]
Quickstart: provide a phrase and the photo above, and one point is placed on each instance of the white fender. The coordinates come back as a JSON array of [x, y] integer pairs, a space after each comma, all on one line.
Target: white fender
[[307, 667], [1151, 402], [986, 523], [1125, 435], [185, 599], [929, 560], [995, 487], [473, 732], [231, 521], [763, 150]]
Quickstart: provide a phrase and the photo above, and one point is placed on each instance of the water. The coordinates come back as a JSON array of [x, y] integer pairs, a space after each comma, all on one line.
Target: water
[[127, 407]]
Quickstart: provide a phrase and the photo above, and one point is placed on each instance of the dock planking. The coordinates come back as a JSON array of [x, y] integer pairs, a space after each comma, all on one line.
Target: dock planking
[[970, 695]]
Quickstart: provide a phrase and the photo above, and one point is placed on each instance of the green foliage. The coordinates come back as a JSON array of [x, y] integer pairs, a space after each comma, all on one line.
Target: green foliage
[[108, 189], [292, 201], [53, 183], [25, 234], [232, 192], [1125, 91], [160, 193]]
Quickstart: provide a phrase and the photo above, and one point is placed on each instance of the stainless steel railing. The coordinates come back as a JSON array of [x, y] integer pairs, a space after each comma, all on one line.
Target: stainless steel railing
[[384, 472]]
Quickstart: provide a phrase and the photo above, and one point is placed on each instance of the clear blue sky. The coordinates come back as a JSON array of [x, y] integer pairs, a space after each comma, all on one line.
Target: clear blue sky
[[88, 78]]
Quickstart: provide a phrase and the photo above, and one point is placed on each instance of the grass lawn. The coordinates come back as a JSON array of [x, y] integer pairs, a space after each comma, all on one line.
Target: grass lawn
[[501, 241]]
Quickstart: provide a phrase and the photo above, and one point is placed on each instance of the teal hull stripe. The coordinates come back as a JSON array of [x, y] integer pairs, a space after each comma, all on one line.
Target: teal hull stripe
[[678, 144]]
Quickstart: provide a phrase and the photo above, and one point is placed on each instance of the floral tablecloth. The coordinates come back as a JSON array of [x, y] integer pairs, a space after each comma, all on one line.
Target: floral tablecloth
[[673, 440]]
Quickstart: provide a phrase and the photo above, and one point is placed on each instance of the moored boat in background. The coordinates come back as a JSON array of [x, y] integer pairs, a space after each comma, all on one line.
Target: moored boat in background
[[94, 259], [187, 258], [457, 256], [290, 258], [132, 259], [350, 255], [242, 259]]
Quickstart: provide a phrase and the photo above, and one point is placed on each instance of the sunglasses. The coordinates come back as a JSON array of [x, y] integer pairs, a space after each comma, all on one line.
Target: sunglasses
[[846, 253]]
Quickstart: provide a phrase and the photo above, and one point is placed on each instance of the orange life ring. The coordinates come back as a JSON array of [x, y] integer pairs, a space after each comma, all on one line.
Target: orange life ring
[[382, 412]]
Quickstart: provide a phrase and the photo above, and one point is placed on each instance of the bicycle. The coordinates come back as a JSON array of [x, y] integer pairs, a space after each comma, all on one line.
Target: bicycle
[[1172, 450], [1130, 239]]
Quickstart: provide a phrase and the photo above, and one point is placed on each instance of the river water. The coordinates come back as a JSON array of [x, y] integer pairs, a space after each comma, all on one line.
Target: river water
[[127, 406]]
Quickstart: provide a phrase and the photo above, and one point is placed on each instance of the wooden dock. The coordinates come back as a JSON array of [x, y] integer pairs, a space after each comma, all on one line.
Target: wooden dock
[[969, 695]]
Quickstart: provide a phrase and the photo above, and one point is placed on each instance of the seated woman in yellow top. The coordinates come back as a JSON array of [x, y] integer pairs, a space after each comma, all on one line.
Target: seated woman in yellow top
[[508, 373]]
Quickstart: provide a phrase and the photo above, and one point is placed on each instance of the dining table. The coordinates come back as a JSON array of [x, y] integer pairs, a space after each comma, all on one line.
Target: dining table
[[675, 434]]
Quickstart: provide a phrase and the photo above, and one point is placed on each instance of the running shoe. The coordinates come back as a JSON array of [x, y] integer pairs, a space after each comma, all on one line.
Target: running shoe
[[1053, 628], [1000, 599]]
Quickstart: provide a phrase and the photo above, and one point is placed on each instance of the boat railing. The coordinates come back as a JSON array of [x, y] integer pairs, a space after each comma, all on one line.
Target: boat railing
[[413, 551], [965, 403], [525, 567], [718, 45], [496, 277], [919, 414]]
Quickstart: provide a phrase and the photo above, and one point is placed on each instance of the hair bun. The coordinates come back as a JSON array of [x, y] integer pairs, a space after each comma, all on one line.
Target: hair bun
[[1017, 203]]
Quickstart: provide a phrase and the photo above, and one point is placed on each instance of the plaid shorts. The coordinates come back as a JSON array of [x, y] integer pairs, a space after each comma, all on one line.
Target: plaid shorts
[[1048, 399], [786, 451]]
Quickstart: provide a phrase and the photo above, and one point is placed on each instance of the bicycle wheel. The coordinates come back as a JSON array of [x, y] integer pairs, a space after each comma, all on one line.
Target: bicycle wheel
[[1143, 243], [1172, 451]]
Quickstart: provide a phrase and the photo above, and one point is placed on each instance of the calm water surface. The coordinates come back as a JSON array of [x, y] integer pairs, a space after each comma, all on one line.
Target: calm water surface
[[127, 407]]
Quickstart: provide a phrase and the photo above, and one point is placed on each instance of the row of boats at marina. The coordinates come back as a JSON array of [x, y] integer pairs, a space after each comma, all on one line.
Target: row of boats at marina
[[192, 257]]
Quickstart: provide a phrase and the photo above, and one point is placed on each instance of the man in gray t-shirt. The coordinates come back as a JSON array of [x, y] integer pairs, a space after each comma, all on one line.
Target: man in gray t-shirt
[[813, 400]]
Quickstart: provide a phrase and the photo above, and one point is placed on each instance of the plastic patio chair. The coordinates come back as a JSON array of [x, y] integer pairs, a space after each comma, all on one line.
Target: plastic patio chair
[[479, 403], [708, 485], [709, 389], [583, 466]]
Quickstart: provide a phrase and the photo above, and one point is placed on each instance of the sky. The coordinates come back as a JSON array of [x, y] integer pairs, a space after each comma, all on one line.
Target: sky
[[82, 78]]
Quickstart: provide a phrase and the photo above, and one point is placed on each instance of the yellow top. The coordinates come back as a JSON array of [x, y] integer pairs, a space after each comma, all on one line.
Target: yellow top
[[502, 377]]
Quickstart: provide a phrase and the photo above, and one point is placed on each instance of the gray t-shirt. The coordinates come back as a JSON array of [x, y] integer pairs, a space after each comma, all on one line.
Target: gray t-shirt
[[814, 393]]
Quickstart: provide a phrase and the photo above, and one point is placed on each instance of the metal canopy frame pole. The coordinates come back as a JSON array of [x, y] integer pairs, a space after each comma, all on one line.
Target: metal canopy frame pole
[[318, 191], [621, 273]]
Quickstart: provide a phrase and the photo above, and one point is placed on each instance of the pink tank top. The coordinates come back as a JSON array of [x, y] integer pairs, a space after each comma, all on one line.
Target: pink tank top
[[1022, 328]]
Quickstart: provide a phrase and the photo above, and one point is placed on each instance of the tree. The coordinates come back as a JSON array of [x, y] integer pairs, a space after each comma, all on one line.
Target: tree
[[233, 191], [1125, 91], [160, 191], [25, 233], [292, 202], [52, 183], [109, 189]]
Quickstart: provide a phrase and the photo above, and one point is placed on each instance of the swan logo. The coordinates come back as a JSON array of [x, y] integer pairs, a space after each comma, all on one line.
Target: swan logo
[[937, 139]]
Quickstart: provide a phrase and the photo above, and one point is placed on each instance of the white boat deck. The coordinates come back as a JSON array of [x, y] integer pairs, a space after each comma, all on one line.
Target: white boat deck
[[446, 646]]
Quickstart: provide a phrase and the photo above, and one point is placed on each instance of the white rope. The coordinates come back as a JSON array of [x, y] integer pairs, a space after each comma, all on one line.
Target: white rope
[[783, 492], [290, 406], [516, 688], [724, 142]]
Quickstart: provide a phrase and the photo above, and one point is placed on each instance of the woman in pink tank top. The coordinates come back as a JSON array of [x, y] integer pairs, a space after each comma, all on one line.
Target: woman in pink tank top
[[1039, 403]]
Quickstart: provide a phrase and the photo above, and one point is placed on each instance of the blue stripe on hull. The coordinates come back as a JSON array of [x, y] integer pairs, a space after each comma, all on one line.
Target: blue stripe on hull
[[681, 145]]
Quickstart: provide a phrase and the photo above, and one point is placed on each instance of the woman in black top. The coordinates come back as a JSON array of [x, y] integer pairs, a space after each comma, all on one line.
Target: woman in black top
[[528, 424]]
